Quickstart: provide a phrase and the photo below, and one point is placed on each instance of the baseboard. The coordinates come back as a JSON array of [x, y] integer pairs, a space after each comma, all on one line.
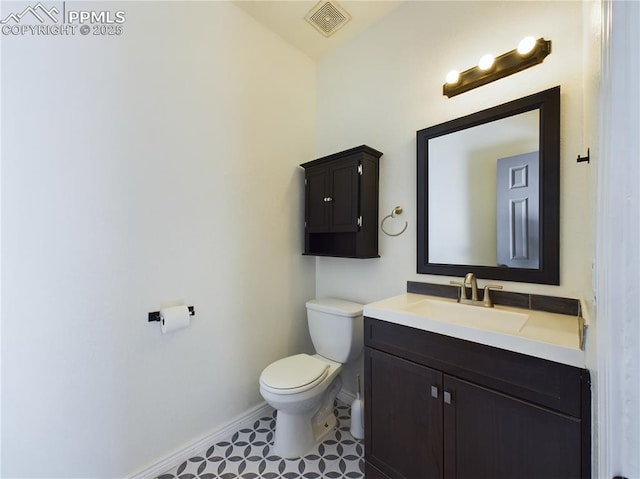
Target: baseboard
[[225, 432]]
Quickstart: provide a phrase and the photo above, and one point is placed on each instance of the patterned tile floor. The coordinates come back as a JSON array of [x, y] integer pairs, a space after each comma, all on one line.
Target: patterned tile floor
[[248, 456]]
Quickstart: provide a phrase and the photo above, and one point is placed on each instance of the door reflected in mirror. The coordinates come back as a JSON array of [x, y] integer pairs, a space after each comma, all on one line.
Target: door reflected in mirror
[[488, 188]]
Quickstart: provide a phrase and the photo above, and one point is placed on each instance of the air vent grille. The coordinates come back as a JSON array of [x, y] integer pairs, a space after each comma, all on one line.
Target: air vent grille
[[327, 17]]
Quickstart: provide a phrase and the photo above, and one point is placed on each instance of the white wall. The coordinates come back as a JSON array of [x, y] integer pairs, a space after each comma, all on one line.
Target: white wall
[[156, 166], [387, 83], [394, 88]]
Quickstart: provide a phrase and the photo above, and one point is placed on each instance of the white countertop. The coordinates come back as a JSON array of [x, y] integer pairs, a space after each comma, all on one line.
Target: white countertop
[[556, 337]]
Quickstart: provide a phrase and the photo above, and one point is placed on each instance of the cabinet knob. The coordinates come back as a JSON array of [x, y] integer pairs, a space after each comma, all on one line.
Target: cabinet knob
[[328, 199], [447, 397], [434, 392]]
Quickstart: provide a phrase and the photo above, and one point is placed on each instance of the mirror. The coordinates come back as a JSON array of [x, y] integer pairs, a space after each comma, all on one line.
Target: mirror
[[488, 192]]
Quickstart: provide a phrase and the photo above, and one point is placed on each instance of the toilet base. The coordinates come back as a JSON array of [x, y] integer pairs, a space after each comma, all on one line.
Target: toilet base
[[323, 428], [297, 433], [294, 436]]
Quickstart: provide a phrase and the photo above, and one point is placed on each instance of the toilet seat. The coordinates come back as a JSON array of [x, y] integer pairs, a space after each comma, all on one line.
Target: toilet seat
[[294, 374]]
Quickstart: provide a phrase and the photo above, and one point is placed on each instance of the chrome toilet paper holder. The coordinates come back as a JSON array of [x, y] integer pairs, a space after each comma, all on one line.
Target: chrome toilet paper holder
[[155, 315]]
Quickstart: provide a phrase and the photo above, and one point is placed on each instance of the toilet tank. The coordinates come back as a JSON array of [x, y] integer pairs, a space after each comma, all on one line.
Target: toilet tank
[[336, 327]]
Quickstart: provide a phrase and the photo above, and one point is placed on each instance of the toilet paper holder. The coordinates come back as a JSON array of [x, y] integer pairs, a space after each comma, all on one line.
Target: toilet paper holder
[[155, 315]]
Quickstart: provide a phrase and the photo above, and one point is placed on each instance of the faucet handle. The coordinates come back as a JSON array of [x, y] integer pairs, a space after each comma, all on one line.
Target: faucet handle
[[463, 289], [487, 299]]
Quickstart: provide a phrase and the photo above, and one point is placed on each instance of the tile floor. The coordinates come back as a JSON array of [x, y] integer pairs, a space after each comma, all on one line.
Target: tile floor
[[248, 456]]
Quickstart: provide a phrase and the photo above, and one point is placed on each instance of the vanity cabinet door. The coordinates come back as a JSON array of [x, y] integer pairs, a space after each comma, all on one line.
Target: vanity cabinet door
[[489, 434], [404, 418]]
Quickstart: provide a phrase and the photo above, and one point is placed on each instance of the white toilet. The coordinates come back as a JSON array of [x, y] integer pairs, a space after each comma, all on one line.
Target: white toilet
[[302, 387]]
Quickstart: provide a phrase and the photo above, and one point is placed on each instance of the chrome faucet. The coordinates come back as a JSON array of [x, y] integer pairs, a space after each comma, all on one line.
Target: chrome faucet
[[470, 280]]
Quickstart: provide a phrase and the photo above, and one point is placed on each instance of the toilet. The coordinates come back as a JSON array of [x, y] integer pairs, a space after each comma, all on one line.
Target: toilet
[[303, 387]]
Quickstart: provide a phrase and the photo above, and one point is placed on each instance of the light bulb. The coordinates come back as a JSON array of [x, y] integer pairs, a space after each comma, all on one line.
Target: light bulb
[[452, 77], [526, 45], [486, 62]]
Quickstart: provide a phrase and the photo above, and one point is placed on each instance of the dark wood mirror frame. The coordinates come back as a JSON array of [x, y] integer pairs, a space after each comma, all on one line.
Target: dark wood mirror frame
[[548, 104]]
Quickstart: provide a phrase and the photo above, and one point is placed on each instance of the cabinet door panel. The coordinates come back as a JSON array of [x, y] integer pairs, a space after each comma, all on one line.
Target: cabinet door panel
[[317, 214], [490, 435], [404, 420], [344, 197]]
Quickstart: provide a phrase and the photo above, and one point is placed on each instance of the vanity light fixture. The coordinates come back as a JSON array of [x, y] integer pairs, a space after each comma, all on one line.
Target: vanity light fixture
[[486, 62], [452, 77], [530, 52], [526, 45]]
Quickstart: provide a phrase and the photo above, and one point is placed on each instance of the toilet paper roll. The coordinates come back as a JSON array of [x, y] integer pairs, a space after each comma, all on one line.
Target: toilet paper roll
[[174, 318]]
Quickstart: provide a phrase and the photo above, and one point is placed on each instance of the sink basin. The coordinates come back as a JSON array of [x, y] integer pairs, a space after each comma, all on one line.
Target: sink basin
[[470, 316]]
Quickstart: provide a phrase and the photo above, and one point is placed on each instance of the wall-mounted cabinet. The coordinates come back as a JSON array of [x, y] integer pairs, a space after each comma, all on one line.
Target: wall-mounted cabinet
[[341, 204]]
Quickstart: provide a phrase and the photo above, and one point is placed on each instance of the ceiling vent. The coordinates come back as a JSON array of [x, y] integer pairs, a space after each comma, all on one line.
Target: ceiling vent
[[327, 17]]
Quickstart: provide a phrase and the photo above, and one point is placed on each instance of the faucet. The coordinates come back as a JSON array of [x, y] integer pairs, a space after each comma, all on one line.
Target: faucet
[[470, 280]]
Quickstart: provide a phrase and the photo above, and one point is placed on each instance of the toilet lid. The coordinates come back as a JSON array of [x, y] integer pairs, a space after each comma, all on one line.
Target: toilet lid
[[294, 374]]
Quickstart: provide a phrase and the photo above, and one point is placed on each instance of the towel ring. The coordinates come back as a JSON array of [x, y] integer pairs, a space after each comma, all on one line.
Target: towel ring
[[396, 211]]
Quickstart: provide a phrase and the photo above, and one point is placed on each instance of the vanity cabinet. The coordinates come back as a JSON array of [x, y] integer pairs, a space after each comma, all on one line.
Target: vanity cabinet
[[441, 407], [341, 204]]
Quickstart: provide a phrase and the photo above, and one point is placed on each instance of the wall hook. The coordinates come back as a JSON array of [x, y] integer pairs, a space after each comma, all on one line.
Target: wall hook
[[582, 159], [394, 212]]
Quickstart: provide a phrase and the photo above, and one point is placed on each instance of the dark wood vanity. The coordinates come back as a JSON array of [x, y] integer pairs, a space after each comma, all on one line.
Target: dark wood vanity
[[442, 407], [341, 204]]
